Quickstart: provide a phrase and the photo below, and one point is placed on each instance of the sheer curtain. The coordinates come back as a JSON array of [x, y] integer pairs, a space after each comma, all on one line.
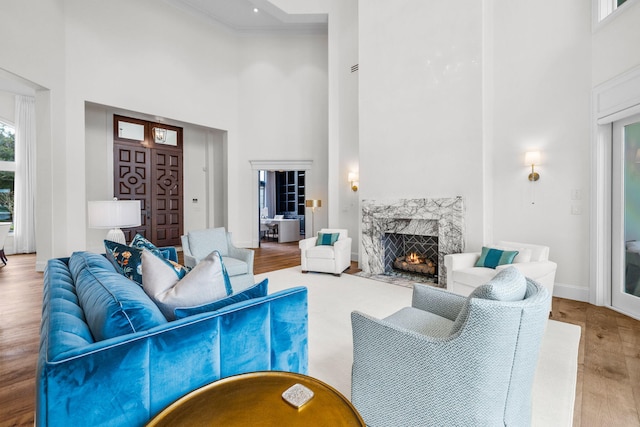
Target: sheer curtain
[[25, 178]]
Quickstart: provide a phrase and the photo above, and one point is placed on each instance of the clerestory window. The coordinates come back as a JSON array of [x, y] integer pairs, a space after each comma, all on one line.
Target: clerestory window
[[607, 7]]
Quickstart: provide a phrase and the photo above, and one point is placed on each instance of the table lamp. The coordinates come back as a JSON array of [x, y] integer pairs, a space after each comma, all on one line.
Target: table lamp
[[114, 214]]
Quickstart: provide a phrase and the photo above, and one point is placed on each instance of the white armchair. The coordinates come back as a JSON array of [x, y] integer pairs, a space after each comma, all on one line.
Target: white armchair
[[332, 259], [532, 260]]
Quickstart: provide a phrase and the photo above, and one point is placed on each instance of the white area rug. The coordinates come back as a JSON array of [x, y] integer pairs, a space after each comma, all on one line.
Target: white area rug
[[332, 299]]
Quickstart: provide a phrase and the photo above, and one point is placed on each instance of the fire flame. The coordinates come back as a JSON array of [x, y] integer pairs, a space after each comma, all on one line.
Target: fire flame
[[413, 257]]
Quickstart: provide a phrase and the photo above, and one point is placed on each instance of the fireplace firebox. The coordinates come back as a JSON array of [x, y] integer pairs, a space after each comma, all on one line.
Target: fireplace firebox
[[411, 255]]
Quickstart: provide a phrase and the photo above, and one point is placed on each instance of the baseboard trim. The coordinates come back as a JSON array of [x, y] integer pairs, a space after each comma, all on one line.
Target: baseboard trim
[[40, 265], [572, 292]]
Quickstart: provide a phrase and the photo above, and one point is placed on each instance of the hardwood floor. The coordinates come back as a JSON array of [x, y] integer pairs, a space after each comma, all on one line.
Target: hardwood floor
[[608, 386], [20, 308], [607, 391]]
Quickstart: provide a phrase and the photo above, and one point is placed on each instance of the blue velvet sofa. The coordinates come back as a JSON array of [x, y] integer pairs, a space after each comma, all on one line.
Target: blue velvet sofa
[[108, 356]]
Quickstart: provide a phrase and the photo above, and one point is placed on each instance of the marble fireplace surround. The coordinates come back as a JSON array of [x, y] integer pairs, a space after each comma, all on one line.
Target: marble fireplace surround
[[443, 217]]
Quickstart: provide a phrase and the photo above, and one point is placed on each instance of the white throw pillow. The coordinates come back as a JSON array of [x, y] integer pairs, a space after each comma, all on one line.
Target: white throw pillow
[[524, 254], [207, 282]]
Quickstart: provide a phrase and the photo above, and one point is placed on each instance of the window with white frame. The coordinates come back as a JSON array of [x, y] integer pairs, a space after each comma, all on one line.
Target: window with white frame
[[607, 7], [7, 171]]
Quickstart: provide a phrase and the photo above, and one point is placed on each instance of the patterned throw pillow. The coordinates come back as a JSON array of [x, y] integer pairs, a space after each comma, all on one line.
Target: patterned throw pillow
[[327, 239], [141, 243], [491, 257], [207, 282], [128, 259]]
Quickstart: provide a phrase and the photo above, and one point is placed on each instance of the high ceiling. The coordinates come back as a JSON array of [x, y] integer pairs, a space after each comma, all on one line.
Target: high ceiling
[[240, 15]]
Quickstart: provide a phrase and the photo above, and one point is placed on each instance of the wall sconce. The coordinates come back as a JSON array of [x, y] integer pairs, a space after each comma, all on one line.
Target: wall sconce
[[532, 158], [354, 181], [159, 135]]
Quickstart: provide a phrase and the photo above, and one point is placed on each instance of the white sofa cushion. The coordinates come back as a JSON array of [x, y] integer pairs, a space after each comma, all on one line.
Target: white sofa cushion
[[322, 251]]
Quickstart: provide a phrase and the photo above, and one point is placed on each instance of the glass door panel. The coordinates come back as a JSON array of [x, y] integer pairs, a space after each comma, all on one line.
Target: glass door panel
[[625, 292]]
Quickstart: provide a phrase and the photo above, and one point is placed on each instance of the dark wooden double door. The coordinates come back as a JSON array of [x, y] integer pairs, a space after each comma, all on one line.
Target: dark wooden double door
[[151, 173]]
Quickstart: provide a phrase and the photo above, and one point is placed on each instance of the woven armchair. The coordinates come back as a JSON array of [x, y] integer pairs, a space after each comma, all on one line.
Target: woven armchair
[[197, 244], [451, 360]]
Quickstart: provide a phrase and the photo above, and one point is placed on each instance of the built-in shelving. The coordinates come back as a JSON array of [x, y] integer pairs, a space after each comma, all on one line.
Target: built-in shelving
[[290, 195]]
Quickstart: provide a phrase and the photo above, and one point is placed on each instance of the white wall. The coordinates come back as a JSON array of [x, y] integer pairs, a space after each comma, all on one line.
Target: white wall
[[149, 57], [343, 207], [541, 100], [36, 53], [7, 107], [282, 83], [450, 102], [421, 103]]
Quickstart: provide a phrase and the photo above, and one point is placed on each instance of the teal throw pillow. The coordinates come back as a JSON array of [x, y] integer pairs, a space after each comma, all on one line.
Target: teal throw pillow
[[492, 258], [327, 239], [256, 291]]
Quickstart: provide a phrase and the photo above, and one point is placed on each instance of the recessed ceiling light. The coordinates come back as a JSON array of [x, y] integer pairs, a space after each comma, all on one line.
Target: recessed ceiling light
[[255, 10]]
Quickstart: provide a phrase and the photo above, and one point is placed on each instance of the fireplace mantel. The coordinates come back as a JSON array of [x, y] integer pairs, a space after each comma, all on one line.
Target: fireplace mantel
[[443, 217]]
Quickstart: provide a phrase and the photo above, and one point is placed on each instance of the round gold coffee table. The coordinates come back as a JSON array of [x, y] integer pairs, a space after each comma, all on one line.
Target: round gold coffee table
[[256, 399]]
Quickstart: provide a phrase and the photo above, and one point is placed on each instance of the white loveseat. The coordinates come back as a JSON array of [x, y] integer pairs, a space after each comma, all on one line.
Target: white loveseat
[[332, 259], [532, 260]]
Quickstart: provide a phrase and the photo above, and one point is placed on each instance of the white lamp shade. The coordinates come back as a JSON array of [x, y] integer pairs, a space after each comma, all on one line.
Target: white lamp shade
[[532, 158], [114, 213]]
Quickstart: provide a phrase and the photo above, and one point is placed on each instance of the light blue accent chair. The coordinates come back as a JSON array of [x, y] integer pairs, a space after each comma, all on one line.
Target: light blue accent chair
[[450, 360], [197, 244]]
